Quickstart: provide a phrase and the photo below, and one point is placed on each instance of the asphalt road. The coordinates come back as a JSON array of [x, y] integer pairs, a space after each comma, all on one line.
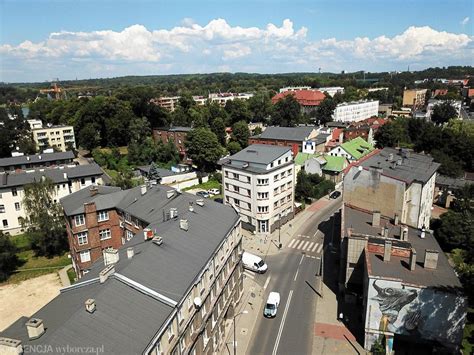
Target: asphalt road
[[292, 273]]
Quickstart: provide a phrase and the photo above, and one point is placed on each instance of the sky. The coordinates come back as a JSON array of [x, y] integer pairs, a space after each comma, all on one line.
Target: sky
[[42, 40]]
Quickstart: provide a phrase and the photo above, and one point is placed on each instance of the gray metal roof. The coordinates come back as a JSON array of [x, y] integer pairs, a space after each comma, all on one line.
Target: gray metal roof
[[321, 138], [443, 275], [287, 133], [260, 153], [414, 166], [56, 175], [107, 197], [163, 172], [35, 158]]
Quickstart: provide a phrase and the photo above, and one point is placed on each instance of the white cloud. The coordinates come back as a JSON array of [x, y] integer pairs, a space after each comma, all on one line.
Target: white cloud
[[465, 21], [218, 45]]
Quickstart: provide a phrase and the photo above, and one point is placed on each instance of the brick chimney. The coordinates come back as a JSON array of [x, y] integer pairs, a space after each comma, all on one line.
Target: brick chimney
[[412, 259], [94, 190], [387, 250], [376, 219], [431, 259], [35, 328]]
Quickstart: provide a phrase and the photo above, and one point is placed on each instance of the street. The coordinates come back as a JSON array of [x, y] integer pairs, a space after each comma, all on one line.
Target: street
[[292, 273]]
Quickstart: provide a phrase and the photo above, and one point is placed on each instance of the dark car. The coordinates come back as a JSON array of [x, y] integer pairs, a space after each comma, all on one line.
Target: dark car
[[219, 200], [335, 194], [204, 194]]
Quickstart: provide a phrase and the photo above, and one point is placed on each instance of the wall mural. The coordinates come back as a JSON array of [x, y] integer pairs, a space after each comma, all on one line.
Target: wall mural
[[428, 313]]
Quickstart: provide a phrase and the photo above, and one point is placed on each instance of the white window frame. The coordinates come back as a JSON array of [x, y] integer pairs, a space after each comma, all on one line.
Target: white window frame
[[128, 234], [82, 236], [81, 218], [2, 208], [102, 216], [108, 233], [17, 206], [82, 253]]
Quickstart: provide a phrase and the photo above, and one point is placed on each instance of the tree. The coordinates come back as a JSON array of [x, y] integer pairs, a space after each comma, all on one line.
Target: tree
[[287, 112], [443, 112], [241, 133], [238, 111], [325, 111], [44, 224], [260, 106], [123, 179], [203, 149], [153, 173], [233, 147], [218, 127], [88, 137], [303, 186], [8, 259], [257, 131]]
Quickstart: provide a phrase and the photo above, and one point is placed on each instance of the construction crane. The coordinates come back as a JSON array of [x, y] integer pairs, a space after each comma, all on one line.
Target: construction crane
[[56, 90]]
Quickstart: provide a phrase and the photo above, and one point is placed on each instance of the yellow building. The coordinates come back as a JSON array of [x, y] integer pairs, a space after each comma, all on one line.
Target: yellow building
[[414, 98], [61, 137]]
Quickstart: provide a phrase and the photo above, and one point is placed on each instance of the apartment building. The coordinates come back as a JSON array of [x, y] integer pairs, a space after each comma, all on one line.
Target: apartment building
[[309, 100], [356, 110], [397, 183], [61, 137], [67, 180], [177, 135], [29, 162], [167, 102], [259, 181], [332, 90], [171, 289], [171, 102], [457, 104], [294, 88], [415, 98], [222, 98]]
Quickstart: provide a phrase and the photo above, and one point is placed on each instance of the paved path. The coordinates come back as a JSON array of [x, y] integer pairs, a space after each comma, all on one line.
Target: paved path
[[63, 276]]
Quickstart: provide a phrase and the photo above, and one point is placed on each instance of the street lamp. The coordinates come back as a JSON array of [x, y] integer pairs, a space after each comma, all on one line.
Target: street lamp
[[235, 344]]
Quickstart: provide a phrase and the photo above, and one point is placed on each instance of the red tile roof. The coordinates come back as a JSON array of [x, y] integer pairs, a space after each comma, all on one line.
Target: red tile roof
[[440, 92], [336, 133], [304, 97]]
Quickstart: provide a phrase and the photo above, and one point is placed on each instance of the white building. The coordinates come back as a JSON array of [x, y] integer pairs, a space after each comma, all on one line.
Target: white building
[[66, 181], [432, 103], [222, 98], [61, 137], [332, 90], [259, 181], [294, 88], [35, 123], [356, 111]]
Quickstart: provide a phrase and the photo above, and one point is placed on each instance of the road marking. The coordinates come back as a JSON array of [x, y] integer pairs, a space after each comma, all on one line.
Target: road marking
[[277, 342], [295, 246], [267, 282], [305, 245], [248, 274], [296, 275], [300, 245], [301, 260], [291, 243], [310, 246], [314, 235], [320, 248], [314, 248]]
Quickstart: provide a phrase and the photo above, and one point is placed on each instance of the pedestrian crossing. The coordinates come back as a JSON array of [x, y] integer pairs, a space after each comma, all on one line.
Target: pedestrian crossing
[[306, 245]]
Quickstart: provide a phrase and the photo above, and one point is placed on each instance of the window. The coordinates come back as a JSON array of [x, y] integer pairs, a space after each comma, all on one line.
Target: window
[[128, 234], [2, 208], [180, 316], [286, 159], [275, 191], [5, 223], [170, 332], [279, 161], [85, 256], [93, 179], [203, 310], [271, 165], [275, 204], [236, 189], [248, 179], [105, 234], [14, 192], [262, 195], [262, 181], [237, 202], [236, 176], [262, 209], [82, 238], [275, 178], [182, 344], [83, 181], [102, 216], [127, 217], [79, 220]]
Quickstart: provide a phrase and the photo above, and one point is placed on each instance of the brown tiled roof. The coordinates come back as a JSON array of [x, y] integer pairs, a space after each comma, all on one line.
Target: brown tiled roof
[[304, 97]]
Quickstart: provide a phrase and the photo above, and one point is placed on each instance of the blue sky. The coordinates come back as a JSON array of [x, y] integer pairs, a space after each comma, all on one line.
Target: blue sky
[[45, 39]]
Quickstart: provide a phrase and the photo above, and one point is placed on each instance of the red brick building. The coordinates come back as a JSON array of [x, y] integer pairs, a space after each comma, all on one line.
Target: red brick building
[[364, 129], [177, 135], [309, 100]]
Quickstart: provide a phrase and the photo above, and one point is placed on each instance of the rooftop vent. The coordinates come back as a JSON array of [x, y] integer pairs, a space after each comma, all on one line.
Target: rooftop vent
[[173, 212], [396, 220], [200, 202], [147, 234], [376, 219], [90, 305], [130, 253], [412, 259], [40, 157], [246, 165], [142, 189], [111, 256], [106, 273], [28, 158], [169, 193], [423, 232], [35, 328], [399, 162], [10, 346], [191, 207], [387, 250], [65, 175], [431, 259], [252, 151], [197, 302], [94, 190], [183, 224], [390, 157], [404, 233], [157, 240]]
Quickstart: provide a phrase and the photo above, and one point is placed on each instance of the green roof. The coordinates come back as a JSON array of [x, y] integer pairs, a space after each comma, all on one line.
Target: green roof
[[357, 147], [334, 163], [302, 157]]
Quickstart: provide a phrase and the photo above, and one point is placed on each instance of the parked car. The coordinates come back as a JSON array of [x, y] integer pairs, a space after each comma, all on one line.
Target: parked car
[[335, 194], [220, 200], [253, 263], [214, 191], [204, 194], [271, 306]]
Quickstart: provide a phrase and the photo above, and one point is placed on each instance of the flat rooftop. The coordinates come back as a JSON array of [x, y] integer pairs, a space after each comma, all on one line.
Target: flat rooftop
[[398, 267]]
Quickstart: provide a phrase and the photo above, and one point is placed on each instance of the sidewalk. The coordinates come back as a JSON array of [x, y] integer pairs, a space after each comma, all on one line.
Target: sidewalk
[[63, 275]]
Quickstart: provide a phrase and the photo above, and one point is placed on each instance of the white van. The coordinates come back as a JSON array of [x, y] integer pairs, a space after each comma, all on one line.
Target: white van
[[253, 263], [272, 304]]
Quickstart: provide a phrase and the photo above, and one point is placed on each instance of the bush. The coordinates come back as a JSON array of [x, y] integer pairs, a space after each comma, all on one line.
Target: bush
[[8, 258]]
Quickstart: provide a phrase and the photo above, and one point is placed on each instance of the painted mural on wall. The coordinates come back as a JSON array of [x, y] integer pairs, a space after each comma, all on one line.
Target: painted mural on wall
[[428, 313]]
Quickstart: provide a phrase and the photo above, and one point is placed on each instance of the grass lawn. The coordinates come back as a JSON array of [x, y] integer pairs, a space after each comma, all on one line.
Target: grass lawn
[[21, 241], [112, 173], [72, 275], [211, 184], [122, 150]]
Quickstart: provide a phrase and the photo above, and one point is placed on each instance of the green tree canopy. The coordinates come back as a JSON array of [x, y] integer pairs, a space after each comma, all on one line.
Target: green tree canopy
[[443, 112], [325, 110], [233, 147], [8, 258], [287, 112], [203, 149], [241, 133]]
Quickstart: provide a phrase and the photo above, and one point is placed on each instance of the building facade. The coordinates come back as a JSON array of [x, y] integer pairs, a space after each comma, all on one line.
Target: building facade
[[332, 90], [259, 181], [355, 111], [415, 98], [309, 100], [177, 135], [66, 181], [21, 163], [61, 137]]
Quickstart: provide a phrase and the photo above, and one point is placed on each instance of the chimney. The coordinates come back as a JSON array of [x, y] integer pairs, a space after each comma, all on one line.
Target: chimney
[[396, 220], [28, 158], [385, 231], [94, 190], [10, 346], [412, 259], [39, 157], [130, 252], [142, 189], [387, 250], [65, 175], [423, 232], [169, 193], [35, 328], [376, 219], [106, 273], [191, 207], [90, 305], [111, 256], [404, 233], [390, 157], [431, 259], [200, 202], [349, 232], [183, 224], [147, 234], [173, 212], [399, 162]]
